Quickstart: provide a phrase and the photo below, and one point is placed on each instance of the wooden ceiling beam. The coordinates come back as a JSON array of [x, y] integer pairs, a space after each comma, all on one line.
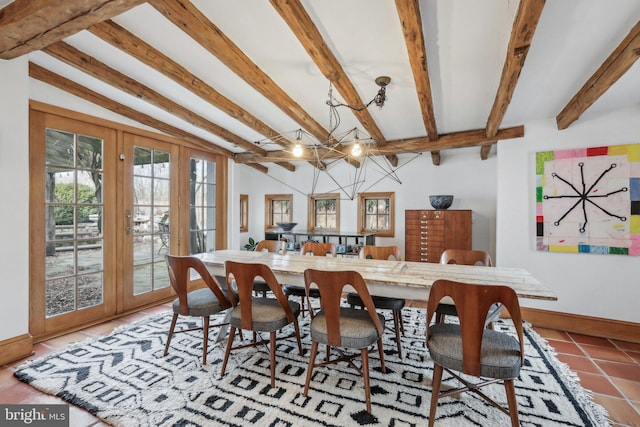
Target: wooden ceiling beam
[[39, 73], [411, 22], [86, 63], [30, 25], [189, 19], [471, 138], [309, 36], [485, 150], [435, 157], [614, 67], [126, 41], [524, 26]]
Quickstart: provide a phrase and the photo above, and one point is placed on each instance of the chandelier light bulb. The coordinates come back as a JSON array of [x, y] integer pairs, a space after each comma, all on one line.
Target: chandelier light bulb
[[356, 149], [297, 150]]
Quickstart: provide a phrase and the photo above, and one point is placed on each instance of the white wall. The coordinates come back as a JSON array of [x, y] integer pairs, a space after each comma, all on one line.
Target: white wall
[[588, 284], [14, 193], [472, 181]]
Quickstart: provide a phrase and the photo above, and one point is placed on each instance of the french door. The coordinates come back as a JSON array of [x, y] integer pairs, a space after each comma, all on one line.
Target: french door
[[73, 252], [149, 190], [106, 206]]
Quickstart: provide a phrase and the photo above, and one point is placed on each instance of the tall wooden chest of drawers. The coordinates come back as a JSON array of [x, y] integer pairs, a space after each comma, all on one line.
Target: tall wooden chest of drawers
[[429, 232]]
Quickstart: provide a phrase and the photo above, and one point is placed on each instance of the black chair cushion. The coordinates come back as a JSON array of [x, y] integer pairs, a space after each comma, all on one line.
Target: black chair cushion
[[385, 303], [300, 291], [450, 310], [261, 286]]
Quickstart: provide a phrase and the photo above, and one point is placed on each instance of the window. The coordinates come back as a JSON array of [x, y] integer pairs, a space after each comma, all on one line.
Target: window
[[278, 208], [376, 213], [244, 212], [202, 218], [324, 212]]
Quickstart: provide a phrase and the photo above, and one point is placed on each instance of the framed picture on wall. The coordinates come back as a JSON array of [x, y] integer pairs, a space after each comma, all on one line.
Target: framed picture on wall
[[588, 200]]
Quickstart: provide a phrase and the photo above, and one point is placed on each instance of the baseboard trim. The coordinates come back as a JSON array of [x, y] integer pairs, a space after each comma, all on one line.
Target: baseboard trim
[[587, 325], [15, 348]]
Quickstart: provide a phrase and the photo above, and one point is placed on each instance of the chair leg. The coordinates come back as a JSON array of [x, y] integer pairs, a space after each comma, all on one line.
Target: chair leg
[[510, 388], [296, 326], [381, 353], [232, 332], [401, 321], [435, 392], [272, 342], [312, 361], [396, 327], [302, 310], [311, 313], [364, 354], [171, 329], [205, 338]]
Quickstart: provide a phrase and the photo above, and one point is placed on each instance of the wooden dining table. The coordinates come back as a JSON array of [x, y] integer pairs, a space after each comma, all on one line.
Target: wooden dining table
[[398, 279]]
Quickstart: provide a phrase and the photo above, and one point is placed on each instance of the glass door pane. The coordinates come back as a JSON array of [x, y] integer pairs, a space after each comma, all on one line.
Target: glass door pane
[[74, 242], [151, 195], [147, 197], [202, 206]]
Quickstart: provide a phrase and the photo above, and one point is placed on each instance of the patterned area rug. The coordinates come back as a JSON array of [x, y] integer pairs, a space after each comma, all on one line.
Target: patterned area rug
[[124, 380]]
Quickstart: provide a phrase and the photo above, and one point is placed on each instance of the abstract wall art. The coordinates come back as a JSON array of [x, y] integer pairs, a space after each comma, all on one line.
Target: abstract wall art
[[588, 200]]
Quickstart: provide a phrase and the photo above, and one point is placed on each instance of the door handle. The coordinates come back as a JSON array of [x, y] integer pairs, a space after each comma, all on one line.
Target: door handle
[[129, 227]]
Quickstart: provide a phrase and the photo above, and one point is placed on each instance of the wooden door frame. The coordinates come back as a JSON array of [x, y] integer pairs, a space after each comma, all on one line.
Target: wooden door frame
[[38, 324], [126, 299], [179, 244]]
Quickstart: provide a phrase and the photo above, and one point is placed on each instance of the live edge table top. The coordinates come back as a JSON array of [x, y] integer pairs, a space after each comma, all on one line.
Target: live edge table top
[[405, 279]]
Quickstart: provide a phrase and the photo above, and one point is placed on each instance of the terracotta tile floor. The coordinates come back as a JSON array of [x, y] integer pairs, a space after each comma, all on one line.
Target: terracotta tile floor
[[609, 368]]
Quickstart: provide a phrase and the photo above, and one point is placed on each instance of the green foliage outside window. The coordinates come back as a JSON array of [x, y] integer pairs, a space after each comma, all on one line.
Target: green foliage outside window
[[86, 196]]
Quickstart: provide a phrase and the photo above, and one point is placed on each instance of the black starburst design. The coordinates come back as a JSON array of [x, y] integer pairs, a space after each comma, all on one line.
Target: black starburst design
[[584, 196]]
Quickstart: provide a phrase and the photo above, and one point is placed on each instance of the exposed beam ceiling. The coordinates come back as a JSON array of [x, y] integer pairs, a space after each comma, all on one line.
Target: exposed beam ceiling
[[411, 21], [187, 17], [473, 138], [524, 26], [282, 51], [46, 76], [28, 25], [614, 67]]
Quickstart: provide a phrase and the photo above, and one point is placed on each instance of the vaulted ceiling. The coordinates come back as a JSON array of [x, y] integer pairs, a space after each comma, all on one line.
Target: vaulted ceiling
[[241, 76]]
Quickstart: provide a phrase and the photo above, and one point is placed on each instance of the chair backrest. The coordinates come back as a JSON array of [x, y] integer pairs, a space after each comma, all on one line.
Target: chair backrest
[[178, 267], [243, 275], [379, 252], [330, 285], [277, 246], [466, 257], [472, 305], [318, 249]]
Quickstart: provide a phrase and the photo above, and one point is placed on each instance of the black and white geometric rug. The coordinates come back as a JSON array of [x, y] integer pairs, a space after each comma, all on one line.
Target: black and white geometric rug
[[124, 380]]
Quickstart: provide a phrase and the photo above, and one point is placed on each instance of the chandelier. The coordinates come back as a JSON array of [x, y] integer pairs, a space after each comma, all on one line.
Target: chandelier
[[354, 146]]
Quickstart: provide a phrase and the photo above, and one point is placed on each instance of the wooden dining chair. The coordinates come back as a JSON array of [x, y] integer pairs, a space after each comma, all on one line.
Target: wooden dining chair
[[258, 314], [274, 246], [310, 249], [343, 327], [465, 257], [383, 303], [469, 347], [202, 302]]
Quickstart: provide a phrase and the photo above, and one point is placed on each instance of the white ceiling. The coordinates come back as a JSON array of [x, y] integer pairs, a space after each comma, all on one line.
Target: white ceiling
[[466, 41]]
